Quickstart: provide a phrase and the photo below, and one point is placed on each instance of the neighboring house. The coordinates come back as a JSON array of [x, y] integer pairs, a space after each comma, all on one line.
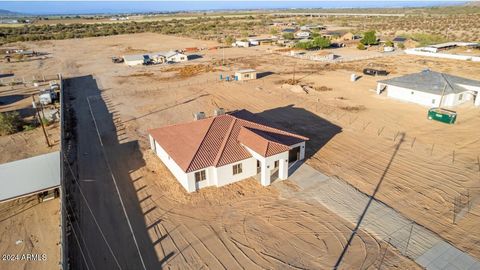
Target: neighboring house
[[426, 88], [288, 30], [348, 37], [224, 149], [174, 56], [136, 59], [155, 58], [399, 40], [448, 45], [261, 41], [246, 74], [312, 27], [241, 43], [303, 34]]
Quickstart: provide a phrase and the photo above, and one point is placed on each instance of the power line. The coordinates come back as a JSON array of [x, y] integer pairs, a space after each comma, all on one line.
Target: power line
[[116, 186], [91, 212], [69, 205], [76, 238]]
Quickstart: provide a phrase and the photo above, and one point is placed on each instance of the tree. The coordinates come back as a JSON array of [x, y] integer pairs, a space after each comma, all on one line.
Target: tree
[[9, 122], [369, 38], [360, 46], [273, 31], [321, 42], [389, 43], [316, 43], [288, 36]]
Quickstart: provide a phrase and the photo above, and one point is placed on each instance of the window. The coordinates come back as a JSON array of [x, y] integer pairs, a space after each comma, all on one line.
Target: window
[[246, 75], [433, 101], [275, 165], [460, 97], [237, 168], [411, 92], [200, 176]]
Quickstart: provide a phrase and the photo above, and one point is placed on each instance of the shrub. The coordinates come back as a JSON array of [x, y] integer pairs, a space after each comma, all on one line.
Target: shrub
[[288, 36], [369, 38], [389, 43], [360, 46], [9, 122]]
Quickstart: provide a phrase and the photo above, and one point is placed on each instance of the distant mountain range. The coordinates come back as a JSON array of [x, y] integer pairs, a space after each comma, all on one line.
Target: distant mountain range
[[8, 13]]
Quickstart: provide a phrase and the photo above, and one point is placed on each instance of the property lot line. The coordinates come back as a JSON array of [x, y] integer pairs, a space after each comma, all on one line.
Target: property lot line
[[115, 183]]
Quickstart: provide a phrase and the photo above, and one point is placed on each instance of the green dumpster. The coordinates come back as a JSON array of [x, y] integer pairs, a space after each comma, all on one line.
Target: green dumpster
[[442, 115]]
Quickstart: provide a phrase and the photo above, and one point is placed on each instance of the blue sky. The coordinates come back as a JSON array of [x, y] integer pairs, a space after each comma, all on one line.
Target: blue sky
[[86, 7]]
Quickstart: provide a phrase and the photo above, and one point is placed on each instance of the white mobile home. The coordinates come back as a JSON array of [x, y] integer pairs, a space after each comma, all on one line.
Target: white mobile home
[[136, 59], [226, 148], [426, 88]]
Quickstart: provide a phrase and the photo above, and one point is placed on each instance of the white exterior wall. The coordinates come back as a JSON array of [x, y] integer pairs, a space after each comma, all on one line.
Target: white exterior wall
[[182, 177], [425, 99], [179, 57], [242, 77], [225, 175], [134, 62], [418, 97]]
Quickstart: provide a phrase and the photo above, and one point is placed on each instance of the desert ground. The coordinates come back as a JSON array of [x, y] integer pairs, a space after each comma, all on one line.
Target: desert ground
[[353, 133], [30, 227], [27, 226]]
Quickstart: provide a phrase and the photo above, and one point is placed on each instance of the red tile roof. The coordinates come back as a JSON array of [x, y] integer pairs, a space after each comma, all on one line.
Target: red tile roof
[[220, 140]]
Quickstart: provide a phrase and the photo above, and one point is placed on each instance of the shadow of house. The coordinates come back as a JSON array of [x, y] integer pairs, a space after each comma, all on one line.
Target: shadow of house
[[6, 100], [305, 123], [264, 74], [194, 56], [94, 150], [6, 75]]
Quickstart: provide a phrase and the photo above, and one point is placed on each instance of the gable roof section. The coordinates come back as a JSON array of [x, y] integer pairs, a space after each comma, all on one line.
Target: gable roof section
[[260, 142], [432, 82], [217, 141]]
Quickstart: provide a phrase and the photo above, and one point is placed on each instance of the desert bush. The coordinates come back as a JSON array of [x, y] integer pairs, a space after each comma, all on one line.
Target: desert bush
[[360, 46], [9, 123], [369, 38]]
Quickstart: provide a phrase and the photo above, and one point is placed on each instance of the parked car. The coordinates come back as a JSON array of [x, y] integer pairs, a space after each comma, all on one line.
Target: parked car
[[117, 60], [375, 72]]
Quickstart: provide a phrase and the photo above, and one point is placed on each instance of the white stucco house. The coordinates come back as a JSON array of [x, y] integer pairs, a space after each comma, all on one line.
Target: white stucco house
[[176, 57], [224, 149], [155, 58], [426, 88]]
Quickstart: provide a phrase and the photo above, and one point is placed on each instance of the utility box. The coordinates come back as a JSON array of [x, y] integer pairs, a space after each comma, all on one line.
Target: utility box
[[442, 115]]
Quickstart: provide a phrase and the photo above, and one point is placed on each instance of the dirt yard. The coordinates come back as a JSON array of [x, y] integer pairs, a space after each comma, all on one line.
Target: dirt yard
[[353, 133], [30, 228]]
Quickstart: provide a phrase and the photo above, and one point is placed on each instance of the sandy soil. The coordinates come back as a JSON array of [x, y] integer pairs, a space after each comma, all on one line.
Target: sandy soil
[[28, 227], [354, 144]]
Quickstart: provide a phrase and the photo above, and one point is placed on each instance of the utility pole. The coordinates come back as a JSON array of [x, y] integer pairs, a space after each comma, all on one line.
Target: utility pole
[[40, 120], [294, 65], [223, 56]]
